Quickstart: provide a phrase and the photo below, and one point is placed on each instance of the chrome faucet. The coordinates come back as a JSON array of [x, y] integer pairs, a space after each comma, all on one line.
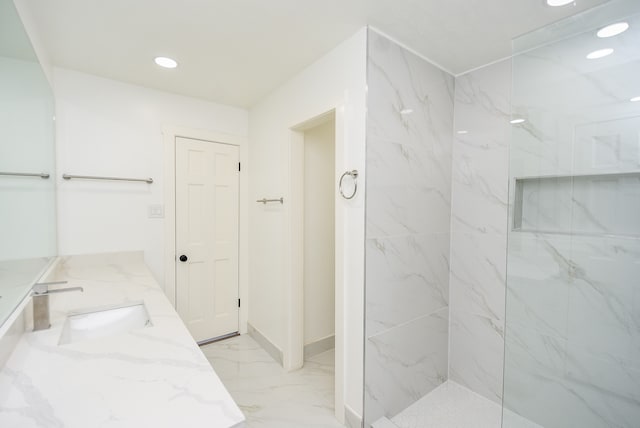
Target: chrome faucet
[[41, 320]]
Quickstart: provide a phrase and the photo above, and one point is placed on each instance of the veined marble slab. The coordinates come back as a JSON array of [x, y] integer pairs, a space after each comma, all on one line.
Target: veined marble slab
[[408, 186], [479, 213], [156, 376]]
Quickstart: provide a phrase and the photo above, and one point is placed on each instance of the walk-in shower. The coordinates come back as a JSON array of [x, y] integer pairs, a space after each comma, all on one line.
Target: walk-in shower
[[531, 203]]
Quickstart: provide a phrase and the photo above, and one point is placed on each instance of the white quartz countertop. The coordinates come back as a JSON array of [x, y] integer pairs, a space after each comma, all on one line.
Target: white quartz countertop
[[151, 377]]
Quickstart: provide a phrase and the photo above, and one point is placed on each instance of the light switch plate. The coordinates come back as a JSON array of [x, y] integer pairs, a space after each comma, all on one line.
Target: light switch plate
[[156, 211]]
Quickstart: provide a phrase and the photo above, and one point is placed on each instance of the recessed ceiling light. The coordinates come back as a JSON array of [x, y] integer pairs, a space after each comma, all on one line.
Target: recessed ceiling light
[[463, 132], [600, 53], [612, 30], [559, 2], [635, 99], [165, 62], [406, 111], [517, 121]]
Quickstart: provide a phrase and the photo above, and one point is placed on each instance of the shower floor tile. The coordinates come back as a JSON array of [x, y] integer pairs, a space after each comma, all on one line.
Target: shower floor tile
[[269, 396], [453, 406]]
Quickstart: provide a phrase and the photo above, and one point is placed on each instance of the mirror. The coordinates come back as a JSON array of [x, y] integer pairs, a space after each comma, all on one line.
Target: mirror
[[27, 146]]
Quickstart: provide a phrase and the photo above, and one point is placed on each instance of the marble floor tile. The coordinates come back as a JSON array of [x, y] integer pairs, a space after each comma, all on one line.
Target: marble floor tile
[[269, 396]]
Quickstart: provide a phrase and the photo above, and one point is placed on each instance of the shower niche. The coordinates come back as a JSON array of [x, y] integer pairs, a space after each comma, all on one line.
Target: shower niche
[[600, 196], [599, 204]]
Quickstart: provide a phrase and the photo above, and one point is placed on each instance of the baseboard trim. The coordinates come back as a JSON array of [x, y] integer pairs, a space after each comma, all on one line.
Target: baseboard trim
[[351, 418], [319, 346], [273, 350]]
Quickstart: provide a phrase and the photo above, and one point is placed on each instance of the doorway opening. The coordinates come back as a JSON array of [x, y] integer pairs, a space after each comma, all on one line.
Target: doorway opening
[[319, 239], [316, 320]]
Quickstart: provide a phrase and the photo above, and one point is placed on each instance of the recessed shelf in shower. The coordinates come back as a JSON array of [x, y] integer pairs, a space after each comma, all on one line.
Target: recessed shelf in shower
[[589, 204]]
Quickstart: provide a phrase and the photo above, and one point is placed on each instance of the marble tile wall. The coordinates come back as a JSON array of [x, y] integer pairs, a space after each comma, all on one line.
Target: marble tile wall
[[573, 330], [408, 214], [479, 211]]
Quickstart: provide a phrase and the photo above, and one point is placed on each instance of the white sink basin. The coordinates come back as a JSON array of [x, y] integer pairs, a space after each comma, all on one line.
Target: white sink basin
[[104, 322]]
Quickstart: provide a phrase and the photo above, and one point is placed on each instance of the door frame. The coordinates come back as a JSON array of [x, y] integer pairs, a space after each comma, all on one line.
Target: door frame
[[169, 135], [293, 354]]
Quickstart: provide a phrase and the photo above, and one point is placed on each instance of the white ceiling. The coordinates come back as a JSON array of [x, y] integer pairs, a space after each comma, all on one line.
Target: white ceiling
[[236, 51]]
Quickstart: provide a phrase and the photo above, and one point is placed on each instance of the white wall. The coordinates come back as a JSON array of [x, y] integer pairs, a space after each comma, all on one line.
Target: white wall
[[337, 79], [109, 128], [319, 232]]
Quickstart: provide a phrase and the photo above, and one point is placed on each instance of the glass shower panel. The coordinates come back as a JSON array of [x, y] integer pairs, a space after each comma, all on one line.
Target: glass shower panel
[[572, 341]]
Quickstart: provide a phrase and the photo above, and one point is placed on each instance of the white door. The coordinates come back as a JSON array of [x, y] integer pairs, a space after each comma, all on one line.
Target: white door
[[207, 189]]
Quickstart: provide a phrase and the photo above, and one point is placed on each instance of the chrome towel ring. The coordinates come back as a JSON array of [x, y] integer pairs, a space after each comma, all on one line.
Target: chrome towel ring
[[354, 175]]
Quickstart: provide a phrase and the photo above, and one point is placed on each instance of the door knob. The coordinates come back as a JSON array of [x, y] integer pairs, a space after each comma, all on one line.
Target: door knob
[[183, 258]]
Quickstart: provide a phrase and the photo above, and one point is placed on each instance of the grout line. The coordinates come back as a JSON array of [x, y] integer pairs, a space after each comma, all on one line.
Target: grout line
[[387, 330]]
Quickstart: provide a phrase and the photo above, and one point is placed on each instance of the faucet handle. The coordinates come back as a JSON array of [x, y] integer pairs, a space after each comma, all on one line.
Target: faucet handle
[[43, 287], [64, 290]]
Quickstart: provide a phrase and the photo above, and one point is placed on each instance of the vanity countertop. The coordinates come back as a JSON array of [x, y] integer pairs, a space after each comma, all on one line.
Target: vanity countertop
[[151, 377]]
